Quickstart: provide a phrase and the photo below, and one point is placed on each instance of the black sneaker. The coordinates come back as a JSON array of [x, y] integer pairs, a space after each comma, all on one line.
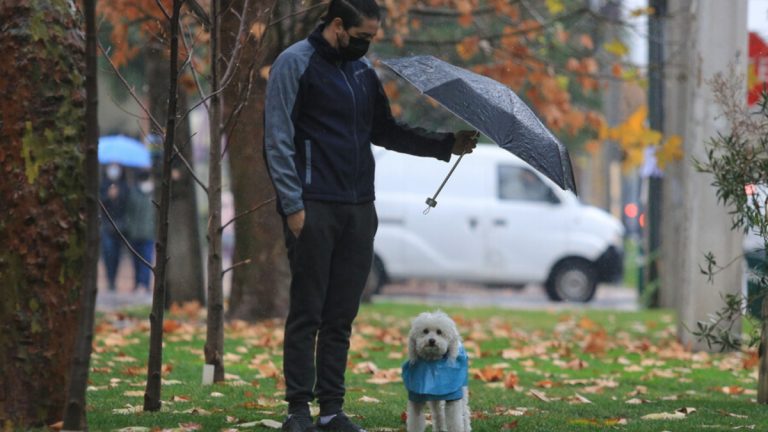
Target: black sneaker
[[298, 423], [340, 423]]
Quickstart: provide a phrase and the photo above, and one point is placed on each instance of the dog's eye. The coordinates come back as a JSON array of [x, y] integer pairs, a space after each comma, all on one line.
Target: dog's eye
[[439, 332], [426, 331]]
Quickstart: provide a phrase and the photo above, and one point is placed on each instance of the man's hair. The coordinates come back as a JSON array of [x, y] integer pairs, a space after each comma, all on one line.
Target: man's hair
[[352, 12]]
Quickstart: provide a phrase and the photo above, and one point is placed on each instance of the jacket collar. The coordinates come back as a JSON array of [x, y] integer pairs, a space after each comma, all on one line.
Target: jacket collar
[[322, 47]]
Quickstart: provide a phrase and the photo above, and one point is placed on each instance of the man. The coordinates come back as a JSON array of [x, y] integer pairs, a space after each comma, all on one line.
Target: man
[[324, 107]]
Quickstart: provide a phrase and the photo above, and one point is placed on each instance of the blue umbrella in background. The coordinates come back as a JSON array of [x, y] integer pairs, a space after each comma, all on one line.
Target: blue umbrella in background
[[123, 150]]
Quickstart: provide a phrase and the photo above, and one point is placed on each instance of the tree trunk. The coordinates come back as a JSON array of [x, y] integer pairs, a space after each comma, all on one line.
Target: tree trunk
[[154, 364], [75, 416], [214, 342], [185, 270], [41, 200], [260, 288]]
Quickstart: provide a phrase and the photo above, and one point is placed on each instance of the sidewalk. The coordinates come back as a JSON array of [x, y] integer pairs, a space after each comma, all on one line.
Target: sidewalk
[[123, 296], [530, 297]]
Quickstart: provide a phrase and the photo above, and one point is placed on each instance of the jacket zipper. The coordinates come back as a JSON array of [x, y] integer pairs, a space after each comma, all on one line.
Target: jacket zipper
[[354, 132]]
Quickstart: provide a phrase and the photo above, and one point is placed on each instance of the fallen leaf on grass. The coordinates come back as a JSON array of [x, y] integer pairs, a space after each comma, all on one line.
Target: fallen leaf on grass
[[540, 395], [134, 429], [365, 368], [598, 422], [664, 416], [129, 409], [578, 399], [195, 410], [730, 390], [385, 376], [488, 374], [133, 393], [272, 424], [511, 380], [179, 398], [368, 399], [637, 401], [678, 414], [729, 414]]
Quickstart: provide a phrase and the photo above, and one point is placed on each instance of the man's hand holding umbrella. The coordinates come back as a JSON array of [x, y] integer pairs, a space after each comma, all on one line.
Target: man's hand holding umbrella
[[465, 142]]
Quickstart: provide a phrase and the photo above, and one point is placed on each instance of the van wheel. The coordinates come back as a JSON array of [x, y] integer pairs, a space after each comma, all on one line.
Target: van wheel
[[377, 278], [572, 280]]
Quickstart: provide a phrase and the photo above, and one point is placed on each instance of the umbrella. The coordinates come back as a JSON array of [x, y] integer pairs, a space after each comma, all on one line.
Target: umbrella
[[123, 150], [491, 108]]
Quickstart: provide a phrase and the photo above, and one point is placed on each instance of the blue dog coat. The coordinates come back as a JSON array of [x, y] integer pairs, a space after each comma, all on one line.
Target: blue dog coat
[[436, 379]]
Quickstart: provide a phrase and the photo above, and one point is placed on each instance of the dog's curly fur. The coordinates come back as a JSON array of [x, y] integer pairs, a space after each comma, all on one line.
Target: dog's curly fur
[[432, 335]]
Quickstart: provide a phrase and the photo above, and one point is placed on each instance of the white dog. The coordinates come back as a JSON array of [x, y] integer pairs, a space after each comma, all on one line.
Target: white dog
[[436, 374]]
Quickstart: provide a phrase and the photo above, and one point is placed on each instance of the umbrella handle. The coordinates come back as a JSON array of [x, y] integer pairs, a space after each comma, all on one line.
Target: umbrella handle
[[432, 202]]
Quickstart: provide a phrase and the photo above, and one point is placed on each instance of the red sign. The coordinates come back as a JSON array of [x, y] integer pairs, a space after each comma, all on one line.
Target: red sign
[[757, 70]]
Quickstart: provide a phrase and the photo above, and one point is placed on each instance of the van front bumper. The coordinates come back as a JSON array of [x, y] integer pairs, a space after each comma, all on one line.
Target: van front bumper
[[610, 265]]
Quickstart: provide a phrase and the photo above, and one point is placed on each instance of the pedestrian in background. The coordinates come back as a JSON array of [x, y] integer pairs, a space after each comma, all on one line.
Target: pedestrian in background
[[113, 193], [140, 226], [324, 108]]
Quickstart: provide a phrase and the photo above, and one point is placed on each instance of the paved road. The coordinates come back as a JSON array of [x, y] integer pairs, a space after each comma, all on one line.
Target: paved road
[[422, 292], [531, 297]]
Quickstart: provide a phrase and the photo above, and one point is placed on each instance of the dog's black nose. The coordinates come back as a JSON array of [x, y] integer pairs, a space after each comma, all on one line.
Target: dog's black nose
[[431, 341]]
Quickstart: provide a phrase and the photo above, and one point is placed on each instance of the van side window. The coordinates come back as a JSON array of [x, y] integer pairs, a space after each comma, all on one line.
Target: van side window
[[521, 184]]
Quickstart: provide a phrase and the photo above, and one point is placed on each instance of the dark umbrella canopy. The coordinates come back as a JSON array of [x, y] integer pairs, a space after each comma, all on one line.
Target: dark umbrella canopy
[[493, 109]]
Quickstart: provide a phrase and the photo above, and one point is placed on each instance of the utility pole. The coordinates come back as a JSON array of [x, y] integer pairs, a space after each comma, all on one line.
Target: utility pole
[[656, 120], [709, 36]]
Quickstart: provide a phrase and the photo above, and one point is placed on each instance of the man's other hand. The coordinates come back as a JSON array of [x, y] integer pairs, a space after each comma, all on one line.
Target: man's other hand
[[464, 142], [296, 222]]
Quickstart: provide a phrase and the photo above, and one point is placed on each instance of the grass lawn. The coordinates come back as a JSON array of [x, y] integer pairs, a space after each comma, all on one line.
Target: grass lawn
[[532, 371]]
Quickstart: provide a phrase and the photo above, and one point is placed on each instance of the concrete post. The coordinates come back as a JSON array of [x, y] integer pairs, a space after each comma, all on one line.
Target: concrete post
[[716, 35]]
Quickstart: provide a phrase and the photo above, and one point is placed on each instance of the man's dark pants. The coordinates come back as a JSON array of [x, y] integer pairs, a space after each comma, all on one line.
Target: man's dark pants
[[330, 262]]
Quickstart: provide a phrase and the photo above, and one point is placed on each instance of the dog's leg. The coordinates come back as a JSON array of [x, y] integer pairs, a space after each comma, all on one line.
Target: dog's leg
[[466, 413], [415, 421], [454, 415], [437, 408]]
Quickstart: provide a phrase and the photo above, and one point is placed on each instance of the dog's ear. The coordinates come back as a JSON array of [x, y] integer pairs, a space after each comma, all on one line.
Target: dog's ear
[[454, 341], [412, 357]]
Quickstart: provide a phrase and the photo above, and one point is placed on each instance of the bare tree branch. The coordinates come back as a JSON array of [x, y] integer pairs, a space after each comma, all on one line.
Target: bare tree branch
[[122, 237], [177, 152], [130, 89], [298, 12], [234, 266], [196, 77], [247, 212], [231, 66], [162, 9]]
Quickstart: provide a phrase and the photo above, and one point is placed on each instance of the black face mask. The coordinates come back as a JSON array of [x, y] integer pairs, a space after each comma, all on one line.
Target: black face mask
[[357, 48]]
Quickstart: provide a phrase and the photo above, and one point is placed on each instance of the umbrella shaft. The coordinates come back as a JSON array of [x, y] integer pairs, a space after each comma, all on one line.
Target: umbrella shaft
[[447, 177]]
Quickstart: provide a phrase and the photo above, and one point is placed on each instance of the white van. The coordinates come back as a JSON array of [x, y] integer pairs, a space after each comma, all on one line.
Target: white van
[[497, 222]]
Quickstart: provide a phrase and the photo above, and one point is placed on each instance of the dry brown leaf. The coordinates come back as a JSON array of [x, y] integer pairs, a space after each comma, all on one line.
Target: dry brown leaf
[[365, 368], [488, 374], [385, 376], [511, 380], [540, 395]]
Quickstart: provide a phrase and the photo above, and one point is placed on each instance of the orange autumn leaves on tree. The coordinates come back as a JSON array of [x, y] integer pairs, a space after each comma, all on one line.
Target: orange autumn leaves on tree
[[508, 47], [138, 23], [126, 16]]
